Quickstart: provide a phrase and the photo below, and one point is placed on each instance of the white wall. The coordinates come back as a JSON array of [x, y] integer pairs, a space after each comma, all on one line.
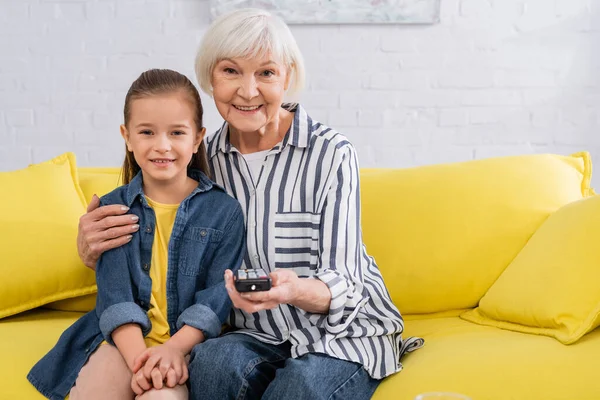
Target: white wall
[[495, 77]]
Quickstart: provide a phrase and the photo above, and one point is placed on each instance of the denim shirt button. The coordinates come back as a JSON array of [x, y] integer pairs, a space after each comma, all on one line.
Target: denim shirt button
[[202, 233], [148, 229], [146, 267]]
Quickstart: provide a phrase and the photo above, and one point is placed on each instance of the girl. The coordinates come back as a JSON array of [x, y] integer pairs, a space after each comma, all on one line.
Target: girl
[[163, 292]]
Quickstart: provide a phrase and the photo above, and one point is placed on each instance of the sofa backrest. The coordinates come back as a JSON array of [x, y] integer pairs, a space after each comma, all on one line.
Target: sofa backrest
[[443, 234], [98, 180]]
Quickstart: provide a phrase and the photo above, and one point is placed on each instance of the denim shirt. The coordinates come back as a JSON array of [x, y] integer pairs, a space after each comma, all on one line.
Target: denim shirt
[[208, 237]]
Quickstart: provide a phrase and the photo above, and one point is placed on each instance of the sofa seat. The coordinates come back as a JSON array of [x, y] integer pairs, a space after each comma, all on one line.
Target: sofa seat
[[26, 338], [488, 363], [484, 362]]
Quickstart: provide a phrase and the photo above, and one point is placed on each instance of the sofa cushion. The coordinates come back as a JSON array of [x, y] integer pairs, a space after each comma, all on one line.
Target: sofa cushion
[[551, 287], [443, 234], [487, 363], [78, 304], [40, 208], [484, 362], [98, 181], [24, 339]]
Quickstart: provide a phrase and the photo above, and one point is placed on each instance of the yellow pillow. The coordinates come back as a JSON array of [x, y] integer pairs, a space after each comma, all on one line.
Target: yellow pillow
[[99, 181], [552, 287], [40, 208], [443, 234]]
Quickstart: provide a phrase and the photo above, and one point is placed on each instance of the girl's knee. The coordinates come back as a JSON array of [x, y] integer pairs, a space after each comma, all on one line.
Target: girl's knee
[[105, 375]]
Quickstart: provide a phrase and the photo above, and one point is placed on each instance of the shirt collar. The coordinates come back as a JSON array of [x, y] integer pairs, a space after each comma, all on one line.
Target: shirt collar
[[135, 191], [298, 135]]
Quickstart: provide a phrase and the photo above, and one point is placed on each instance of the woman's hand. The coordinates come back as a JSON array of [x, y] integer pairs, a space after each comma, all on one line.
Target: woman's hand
[[310, 295], [284, 284], [103, 228], [161, 365]]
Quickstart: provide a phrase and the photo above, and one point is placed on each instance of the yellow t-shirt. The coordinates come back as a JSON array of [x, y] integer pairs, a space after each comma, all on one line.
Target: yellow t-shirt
[[165, 219]]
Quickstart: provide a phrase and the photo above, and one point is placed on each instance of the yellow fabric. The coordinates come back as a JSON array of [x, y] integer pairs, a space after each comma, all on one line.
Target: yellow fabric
[[552, 287], [79, 304], [443, 234], [487, 363], [165, 218], [40, 208], [24, 339]]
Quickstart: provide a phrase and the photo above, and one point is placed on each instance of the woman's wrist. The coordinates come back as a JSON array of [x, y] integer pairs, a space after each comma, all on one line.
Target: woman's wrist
[[312, 295]]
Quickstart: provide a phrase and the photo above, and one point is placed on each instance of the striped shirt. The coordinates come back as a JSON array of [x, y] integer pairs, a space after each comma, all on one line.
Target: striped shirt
[[303, 213]]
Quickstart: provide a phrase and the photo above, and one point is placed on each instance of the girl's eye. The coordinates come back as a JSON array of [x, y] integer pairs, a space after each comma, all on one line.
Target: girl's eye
[[178, 133], [146, 132]]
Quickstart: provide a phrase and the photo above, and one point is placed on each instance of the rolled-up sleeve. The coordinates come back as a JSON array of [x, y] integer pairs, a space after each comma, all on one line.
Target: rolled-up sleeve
[[201, 317], [342, 261], [212, 304], [115, 304]]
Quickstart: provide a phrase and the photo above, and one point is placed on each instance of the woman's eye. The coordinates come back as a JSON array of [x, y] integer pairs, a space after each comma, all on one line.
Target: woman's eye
[[229, 70], [268, 73]]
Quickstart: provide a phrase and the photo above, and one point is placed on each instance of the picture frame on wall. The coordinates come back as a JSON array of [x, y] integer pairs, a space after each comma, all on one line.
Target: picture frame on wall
[[340, 11]]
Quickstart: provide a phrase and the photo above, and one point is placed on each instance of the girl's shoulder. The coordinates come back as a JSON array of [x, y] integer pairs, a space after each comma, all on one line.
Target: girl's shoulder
[[117, 196], [214, 208], [211, 191], [220, 198]]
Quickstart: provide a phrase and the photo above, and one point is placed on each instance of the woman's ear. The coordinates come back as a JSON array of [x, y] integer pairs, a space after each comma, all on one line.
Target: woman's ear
[[199, 138], [125, 134]]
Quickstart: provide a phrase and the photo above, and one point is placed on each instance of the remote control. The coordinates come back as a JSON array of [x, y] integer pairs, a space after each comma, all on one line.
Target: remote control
[[252, 280]]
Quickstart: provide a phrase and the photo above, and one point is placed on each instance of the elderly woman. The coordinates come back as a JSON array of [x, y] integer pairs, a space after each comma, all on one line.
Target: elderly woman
[[327, 328]]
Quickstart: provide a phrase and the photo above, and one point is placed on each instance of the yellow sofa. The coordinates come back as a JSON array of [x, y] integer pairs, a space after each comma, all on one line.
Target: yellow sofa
[[448, 238]]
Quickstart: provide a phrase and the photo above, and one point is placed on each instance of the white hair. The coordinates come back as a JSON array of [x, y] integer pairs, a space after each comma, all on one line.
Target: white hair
[[248, 33]]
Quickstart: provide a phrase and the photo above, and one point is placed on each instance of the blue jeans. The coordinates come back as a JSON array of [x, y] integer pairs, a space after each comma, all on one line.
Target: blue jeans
[[237, 366]]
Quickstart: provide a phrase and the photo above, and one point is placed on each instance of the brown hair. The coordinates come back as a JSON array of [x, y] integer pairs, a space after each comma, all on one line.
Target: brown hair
[[162, 81]]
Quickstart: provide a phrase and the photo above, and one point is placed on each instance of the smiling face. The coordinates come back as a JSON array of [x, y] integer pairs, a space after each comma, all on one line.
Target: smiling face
[[162, 135], [249, 92]]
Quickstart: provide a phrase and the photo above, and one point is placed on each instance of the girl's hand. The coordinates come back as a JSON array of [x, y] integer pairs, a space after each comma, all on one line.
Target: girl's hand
[[284, 290], [139, 383], [162, 364]]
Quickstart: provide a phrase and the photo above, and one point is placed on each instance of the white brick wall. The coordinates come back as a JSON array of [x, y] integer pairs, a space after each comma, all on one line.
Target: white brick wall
[[495, 77]]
